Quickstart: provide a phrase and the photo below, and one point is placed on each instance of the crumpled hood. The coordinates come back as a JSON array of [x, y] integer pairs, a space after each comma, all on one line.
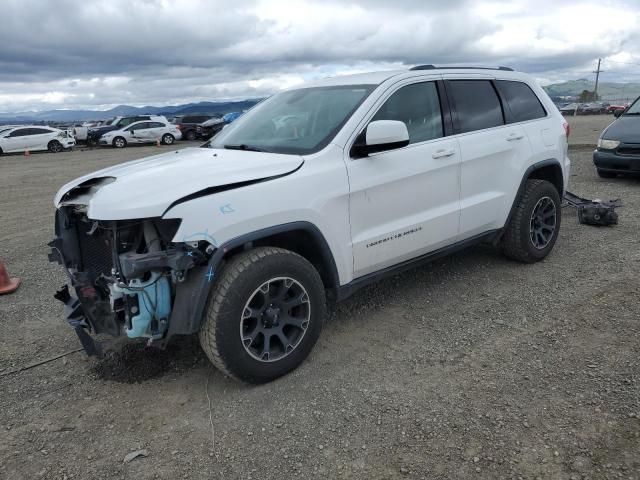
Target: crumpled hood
[[147, 187]]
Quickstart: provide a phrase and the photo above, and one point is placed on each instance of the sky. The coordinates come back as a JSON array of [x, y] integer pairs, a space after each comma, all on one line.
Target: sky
[[94, 54]]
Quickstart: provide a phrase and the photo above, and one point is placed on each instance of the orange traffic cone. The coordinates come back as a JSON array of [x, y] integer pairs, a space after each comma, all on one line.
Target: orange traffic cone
[[27, 152], [7, 285]]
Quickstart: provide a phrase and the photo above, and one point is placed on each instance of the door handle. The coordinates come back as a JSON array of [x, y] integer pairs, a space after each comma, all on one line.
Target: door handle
[[515, 136], [443, 153]]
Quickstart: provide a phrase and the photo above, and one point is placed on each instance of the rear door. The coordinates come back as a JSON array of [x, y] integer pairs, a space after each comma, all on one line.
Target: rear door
[[492, 154], [405, 202], [39, 138], [155, 131]]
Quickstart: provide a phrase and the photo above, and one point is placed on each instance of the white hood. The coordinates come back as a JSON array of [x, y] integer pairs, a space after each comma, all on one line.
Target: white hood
[[147, 187]]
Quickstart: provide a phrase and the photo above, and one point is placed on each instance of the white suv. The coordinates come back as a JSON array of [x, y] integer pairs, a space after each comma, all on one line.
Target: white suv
[[312, 194]]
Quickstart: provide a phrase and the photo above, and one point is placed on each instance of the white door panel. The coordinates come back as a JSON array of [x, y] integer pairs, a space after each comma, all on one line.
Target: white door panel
[[404, 203], [491, 159]]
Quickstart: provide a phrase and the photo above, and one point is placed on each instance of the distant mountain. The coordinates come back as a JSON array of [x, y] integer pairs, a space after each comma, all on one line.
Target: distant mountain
[[606, 90], [86, 115]]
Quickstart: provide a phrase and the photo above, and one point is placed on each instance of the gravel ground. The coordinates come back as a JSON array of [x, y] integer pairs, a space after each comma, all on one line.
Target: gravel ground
[[471, 367]]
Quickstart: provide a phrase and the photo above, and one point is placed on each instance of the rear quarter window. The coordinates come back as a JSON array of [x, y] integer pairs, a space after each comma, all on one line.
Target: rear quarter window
[[476, 103], [522, 103]]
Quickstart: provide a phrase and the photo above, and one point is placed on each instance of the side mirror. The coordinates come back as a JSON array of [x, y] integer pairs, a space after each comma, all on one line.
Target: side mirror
[[380, 136], [132, 132], [618, 113]]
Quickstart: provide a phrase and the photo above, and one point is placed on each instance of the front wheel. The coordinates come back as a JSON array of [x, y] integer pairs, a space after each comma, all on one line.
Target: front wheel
[[55, 146], [119, 142], [265, 314], [191, 135], [168, 139], [534, 226]]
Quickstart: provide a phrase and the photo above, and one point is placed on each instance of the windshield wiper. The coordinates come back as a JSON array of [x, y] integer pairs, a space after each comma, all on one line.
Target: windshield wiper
[[243, 146], [630, 113]]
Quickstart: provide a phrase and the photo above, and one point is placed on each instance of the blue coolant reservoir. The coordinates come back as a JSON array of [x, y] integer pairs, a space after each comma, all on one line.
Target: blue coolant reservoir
[[154, 302]]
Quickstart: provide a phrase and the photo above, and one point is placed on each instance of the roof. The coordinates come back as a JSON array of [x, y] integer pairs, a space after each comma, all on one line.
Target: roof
[[376, 78]]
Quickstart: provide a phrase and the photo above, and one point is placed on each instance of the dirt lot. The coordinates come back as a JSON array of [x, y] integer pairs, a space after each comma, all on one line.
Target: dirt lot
[[472, 367]]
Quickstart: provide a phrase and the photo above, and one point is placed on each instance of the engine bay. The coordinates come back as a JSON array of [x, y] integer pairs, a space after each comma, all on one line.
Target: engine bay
[[125, 273]]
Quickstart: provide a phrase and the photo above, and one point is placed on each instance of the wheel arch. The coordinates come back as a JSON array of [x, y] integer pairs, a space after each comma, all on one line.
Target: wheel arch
[[303, 238], [550, 170]]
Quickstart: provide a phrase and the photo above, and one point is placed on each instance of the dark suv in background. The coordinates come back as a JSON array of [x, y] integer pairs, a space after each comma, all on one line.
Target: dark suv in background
[[188, 123]]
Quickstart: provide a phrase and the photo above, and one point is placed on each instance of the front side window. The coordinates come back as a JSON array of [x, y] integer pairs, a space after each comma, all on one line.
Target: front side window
[[477, 104], [301, 121], [20, 133], [418, 106], [523, 103]]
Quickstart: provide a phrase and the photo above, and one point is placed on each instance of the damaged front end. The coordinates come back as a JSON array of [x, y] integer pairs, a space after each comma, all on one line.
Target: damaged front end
[[128, 276]]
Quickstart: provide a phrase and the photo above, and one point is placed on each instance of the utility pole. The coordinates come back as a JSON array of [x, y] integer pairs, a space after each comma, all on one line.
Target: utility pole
[[597, 72]]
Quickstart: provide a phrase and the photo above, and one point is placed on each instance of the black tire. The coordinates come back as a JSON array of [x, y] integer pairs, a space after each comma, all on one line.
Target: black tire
[[55, 146], [119, 142], [522, 233], [222, 336], [605, 174], [168, 139], [190, 135]]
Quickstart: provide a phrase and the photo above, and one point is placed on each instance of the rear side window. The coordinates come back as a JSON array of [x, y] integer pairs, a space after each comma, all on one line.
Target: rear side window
[[523, 103], [477, 104], [155, 125], [418, 106], [38, 131]]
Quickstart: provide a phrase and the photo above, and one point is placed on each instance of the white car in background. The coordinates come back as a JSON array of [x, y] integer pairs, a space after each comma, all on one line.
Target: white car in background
[[142, 132], [34, 138]]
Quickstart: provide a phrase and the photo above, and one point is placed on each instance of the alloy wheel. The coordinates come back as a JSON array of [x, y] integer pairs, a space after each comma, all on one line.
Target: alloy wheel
[[543, 223], [275, 319]]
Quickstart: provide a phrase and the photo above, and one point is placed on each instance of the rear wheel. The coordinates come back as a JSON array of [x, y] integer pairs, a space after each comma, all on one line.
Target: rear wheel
[[535, 223], [265, 314], [168, 139], [605, 174], [119, 142], [55, 146], [191, 135]]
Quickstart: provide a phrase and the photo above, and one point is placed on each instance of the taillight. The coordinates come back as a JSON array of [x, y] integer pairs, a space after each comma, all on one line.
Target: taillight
[[567, 129]]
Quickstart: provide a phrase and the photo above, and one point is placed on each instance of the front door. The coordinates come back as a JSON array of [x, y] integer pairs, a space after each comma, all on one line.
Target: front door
[[406, 202]]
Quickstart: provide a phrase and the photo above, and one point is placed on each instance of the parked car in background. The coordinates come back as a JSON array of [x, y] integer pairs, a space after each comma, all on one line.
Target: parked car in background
[[118, 123], [592, 109], [618, 148], [209, 128], [569, 109], [34, 138], [142, 132], [81, 131], [617, 108], [188, 124]]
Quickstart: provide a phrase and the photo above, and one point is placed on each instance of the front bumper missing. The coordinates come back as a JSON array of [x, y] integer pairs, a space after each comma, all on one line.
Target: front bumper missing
[[74, 314]]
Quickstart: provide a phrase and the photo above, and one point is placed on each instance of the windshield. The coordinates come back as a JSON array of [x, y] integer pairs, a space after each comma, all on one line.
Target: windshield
[[634, 109], [301, 121]]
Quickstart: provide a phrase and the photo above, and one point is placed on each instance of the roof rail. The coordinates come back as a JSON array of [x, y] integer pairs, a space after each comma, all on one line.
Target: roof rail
[[454, 67]]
